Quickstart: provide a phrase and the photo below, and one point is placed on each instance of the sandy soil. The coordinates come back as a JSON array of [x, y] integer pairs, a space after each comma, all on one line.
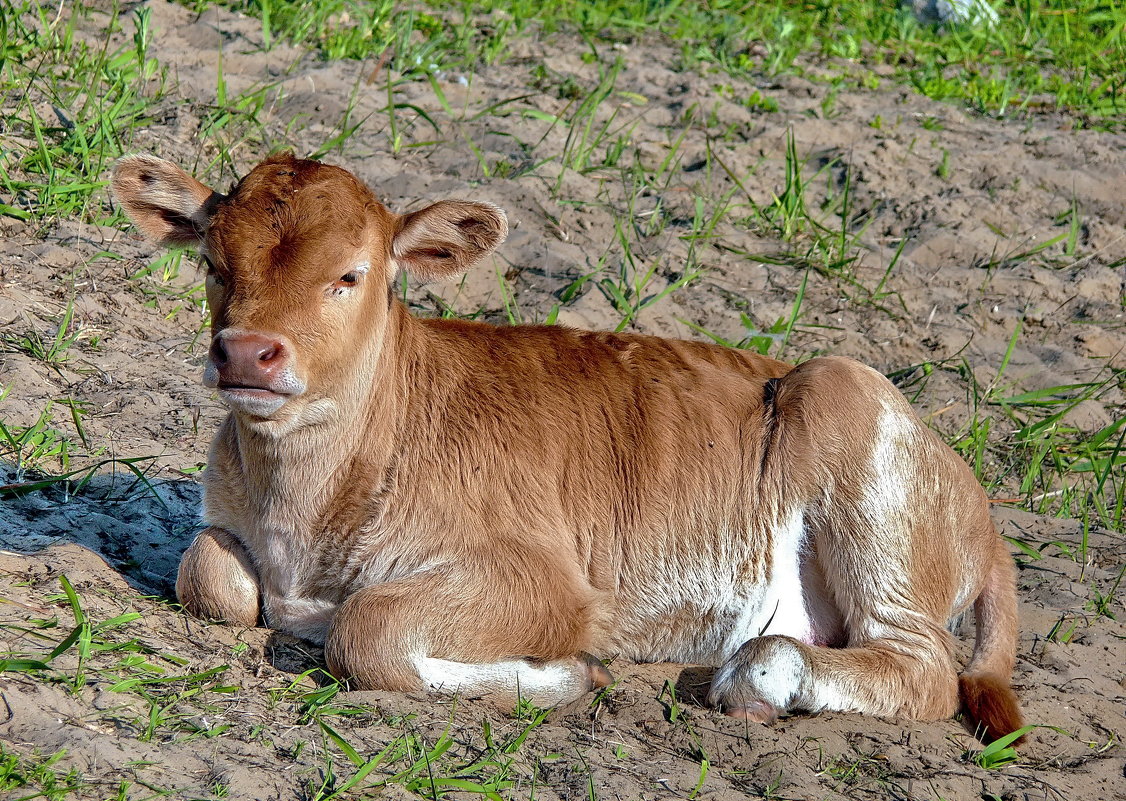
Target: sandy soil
[[964, 280]]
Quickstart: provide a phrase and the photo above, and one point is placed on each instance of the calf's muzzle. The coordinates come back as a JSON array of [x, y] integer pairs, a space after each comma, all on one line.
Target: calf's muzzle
[[248, 360], [253, 371]]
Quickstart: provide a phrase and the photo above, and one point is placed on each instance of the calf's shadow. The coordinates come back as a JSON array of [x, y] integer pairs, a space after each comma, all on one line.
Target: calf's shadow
[[139, 526]]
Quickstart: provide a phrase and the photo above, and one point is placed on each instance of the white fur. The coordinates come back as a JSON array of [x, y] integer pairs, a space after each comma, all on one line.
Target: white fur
[[717, 587], [884, 508], [780, 607], [885, 497], [546, 685]]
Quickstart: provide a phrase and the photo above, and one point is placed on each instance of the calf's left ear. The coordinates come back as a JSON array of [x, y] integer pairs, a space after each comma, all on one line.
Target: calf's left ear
[[446, 239]]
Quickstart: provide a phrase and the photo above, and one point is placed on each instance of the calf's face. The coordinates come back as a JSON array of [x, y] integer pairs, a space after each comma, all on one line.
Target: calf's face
[[301, 259]]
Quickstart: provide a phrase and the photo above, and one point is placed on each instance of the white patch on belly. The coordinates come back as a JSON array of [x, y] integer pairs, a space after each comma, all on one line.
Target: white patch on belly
[[780, 608]]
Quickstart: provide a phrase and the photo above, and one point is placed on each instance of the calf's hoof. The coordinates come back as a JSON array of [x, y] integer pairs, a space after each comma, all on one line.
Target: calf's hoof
[[764, 678], [755, 711], [600, 676]]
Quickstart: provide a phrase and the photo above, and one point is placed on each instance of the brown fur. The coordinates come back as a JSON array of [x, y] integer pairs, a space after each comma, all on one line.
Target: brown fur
[[446, 490], [991, 705], [217, 553]]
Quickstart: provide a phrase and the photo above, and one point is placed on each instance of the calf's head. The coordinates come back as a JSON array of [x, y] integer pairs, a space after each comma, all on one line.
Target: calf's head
[[301, 259]]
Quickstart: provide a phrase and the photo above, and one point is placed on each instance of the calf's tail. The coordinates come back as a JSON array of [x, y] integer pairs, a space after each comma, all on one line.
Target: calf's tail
[[987, 698]]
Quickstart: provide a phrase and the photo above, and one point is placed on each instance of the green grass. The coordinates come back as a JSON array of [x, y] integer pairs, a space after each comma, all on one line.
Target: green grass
[[42, 453], [52, 348], [1000, 753], [1041, 57], [420, 766], [1025, 452], [76, 105], [432, 768], [1059, 468], [27, 777], [76, 647], [37, 445], [62, 643], [102, 655]]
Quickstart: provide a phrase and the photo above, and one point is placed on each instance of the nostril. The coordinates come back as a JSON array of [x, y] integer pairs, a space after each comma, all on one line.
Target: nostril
[[248, 354], [271, 351], [218, 352]]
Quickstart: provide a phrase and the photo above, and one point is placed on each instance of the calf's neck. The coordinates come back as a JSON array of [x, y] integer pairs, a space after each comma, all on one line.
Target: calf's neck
[[462, 507]]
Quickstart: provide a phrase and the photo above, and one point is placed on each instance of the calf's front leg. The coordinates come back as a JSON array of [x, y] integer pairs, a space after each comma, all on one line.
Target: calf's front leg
[[438, 633], [217, 580]]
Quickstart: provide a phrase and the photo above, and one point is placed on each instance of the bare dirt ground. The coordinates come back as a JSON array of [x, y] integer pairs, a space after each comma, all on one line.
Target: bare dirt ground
[[974, 199]]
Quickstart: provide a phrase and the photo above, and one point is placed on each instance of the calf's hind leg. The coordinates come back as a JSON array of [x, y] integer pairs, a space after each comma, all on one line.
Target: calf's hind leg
[[216, 579], [883, 524], [421, 633], [773, 674], [898, 661]]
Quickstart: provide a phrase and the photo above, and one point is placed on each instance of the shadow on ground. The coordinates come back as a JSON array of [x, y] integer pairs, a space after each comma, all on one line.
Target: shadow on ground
[[140, 527]]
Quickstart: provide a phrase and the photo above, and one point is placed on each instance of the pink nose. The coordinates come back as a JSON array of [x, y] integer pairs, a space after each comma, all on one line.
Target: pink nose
[[248, 360]]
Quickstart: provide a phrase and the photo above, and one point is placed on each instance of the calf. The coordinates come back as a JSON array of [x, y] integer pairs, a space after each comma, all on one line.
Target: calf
[[456, 506]]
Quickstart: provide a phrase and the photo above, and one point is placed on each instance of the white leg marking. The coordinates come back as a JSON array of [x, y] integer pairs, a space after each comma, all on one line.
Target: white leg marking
[[546, 685], [885, 497], [885, 507]]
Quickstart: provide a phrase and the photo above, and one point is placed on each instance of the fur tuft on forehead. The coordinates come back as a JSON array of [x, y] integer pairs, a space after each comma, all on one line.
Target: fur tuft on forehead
[[283, 173], [292, 213]]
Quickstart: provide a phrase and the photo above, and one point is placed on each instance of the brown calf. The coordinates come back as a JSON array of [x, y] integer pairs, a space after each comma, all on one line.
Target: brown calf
[[462, 507]]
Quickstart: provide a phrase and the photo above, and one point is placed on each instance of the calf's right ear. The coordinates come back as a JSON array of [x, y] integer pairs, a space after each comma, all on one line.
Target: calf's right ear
[[169, 206]]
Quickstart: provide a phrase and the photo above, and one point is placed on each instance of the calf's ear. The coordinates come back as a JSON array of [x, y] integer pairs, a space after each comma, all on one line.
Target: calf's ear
[[169, 206], [446, 239]]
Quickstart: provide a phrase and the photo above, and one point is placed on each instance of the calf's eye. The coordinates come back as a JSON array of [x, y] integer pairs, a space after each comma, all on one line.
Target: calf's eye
[[212, 273], [346, 281]]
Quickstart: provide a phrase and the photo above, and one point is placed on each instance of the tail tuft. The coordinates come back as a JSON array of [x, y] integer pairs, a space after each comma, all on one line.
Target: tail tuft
[[991, 705]]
